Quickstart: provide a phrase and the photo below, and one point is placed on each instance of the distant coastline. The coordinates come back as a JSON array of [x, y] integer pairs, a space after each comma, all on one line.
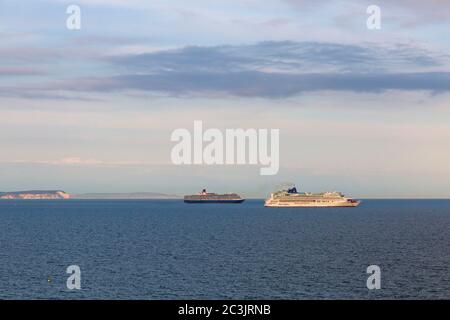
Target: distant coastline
[[62, 195], [124, 196], [34, 195]]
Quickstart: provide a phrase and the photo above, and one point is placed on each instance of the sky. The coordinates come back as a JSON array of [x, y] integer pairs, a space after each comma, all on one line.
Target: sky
[[361, 111]]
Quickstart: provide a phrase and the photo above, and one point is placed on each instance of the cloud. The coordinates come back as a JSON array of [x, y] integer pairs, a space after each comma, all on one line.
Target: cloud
[[20, 71], [406, 13], [265, 85], [418, 12], [282, 56], [267, 69], [273, 70], [29, 54], [41, 93]]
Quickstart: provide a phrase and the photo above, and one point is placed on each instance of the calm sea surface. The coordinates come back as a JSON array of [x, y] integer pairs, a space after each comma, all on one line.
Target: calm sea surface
[[165, 249]]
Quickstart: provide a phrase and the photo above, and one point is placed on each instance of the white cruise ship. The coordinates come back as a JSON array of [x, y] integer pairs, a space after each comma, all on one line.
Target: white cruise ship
[[292, 198]]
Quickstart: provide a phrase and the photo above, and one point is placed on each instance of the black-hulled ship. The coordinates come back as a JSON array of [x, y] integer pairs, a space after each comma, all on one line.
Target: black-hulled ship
[[206, 197]]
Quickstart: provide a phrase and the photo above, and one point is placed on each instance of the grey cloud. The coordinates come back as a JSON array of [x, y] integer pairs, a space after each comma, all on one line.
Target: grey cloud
[[285, 56], [267, 69], [267, 85], [41, 93], [274, 70]]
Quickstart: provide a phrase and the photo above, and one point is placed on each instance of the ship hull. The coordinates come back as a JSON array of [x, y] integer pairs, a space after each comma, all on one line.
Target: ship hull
[[344, 204], [214, 201]]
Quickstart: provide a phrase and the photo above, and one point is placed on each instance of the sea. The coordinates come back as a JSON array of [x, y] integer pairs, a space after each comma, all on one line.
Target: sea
[[166, 249]]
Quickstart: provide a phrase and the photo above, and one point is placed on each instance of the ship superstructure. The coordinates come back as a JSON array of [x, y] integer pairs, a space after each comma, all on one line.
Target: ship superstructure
[[206, 197], [292, 198]]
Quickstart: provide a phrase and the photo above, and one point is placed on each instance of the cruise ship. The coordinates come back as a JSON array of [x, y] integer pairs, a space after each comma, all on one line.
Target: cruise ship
[[206, 197], [292, 198]]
